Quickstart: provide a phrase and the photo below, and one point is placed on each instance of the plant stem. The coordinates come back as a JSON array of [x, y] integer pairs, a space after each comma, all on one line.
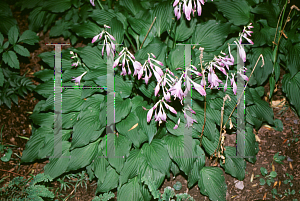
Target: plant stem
[[126, 34], [100, 4], [148, 32]]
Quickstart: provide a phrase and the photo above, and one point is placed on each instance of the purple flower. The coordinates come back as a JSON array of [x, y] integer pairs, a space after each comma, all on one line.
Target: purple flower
[[199, 88], [170, 108], [225, 86], [137, 67], [96, 37], [176, 90], [175, 3], [176, 125], [233, 84], [149, 115], [242, 52], [92, 2], [189, 119], [244, 76], [156, 90], [77, 79]]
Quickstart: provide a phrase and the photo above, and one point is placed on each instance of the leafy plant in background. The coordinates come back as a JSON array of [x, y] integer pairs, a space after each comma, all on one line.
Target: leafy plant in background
[[12, 84], [150, 150], [21, 189]]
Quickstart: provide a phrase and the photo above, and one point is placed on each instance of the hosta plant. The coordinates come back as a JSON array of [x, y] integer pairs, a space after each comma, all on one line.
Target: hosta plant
[[155, 133]]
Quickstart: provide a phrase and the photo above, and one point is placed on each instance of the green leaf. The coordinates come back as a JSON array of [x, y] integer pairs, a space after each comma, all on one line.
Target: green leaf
[[293, 62], [163, 13], [117, 30], [21, 50], [183, 30], [36, 18], [130, 190], [35, 143], [13, 35], [177, 186], [199, 163], [86, 29], [157, 156], [6, 21], [57, 6], [110, 182], [6, 157], [272, 86], [269, 10], [123, 107], [29, 37], [251, 146], [273, 174], [290, 85], [278, 125], [149, 128], [1, 39], [58, 165], [43, 119], [133, 6], [117, 149], [1, 77], [181, 150], [210, 35], [262, 181], [261, 73], [237, 12], [131, 166], [81, 157], [123, 86], [88, 52], [37, 191], [11, 59], [152, 188], [212, 183], [234, 166], [45, 89], [263, 171]]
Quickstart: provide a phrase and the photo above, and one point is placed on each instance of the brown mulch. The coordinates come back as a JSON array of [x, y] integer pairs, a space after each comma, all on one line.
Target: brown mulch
[[16, 123]]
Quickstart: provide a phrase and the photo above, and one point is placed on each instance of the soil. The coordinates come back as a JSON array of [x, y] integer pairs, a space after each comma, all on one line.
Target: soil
[[16, 124]]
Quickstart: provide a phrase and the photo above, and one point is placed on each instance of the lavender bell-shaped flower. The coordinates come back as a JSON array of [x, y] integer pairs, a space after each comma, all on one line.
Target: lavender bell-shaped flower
[[78, 79]]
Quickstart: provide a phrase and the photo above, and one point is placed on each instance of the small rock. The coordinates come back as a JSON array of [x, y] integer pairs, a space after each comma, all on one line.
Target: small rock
[[289, 159], [295, 121], [239, 185]]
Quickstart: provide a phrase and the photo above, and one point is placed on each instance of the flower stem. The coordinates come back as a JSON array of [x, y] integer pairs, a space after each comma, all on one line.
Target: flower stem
[[100, 4], [130, 41]]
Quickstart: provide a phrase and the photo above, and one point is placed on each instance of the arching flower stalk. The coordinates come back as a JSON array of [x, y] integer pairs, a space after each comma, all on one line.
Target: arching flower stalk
[[108, 41]]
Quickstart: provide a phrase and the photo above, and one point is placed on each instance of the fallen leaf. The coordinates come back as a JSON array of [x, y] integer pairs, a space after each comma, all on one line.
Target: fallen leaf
[[265, 196], [278, 103], [268, 127], [284, 141], [133, 127], [252, 176], [257, 138], [234, 196], [279, 184], [254, 185], [275, 183], [273, 168], [291, 166]]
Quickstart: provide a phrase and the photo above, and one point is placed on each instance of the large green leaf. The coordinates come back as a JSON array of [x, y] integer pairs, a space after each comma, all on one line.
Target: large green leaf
[[6, 22], [261, 74], [36, 18], [45, 89], [237, 12], [57, 6], [86, 29], [71, 100], [130, 190], [183, 30], [104, 16], [132, 6], [263, 111], [293, 62], [123, 86], [43, 119], [149, 128], [181, 150], [122, 108], [233, 166], [157, 156], [117, 30], [88, 52], [163, 13], [110, 182], [100, 167], [81, 157], [291, 86], [131, 166], [124, 129], [199, 163], [210, 35], [35, 143], [269, 10], [212, 183], [117, 149], [251, 146]]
